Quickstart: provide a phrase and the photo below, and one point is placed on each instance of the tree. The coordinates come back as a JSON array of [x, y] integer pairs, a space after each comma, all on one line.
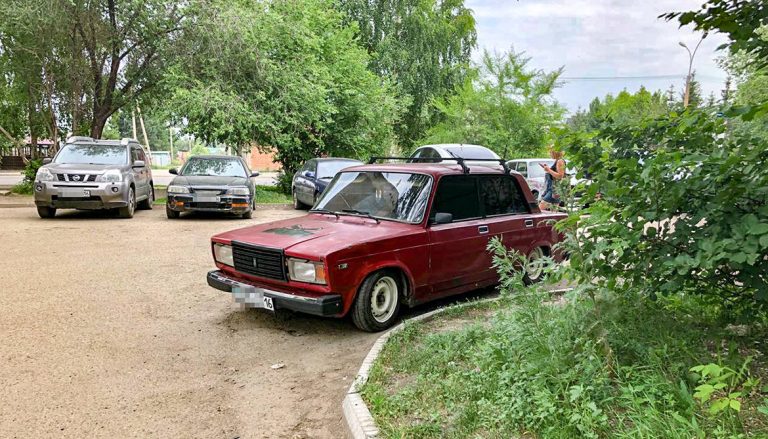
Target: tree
[[425, 46], [76, 62], [624, 109], [504, 105], [282, 77]]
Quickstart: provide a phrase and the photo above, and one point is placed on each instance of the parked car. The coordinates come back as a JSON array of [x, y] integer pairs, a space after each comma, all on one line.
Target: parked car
[[534, 174], [312, 179], [95, 174], [384, 235], [437, 153], [212, 183]]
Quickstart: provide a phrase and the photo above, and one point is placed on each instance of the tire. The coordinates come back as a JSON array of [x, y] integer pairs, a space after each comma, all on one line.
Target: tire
[[46, 212], [249, 214], [298, 205], [377, 303], [171, 214], [127, 211], [147, 204], [535, 267]]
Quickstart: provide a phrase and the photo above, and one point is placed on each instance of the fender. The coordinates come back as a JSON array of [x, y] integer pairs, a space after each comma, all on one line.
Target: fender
[[373, 266]]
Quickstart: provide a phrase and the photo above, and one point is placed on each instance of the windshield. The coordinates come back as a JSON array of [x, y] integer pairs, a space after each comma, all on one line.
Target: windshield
[[329, 169], [386, 195], [219, 167], [93, 154]]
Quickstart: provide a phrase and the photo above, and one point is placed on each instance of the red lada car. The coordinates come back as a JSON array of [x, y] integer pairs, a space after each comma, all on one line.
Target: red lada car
[[384, 235]]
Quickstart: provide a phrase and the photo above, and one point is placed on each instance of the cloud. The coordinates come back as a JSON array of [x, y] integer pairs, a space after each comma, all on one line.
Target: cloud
[[599, 38]]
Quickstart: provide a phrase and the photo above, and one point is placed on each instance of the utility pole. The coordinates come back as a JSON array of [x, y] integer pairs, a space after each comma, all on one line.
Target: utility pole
[[143, 128], [133, 122], [687, 94]]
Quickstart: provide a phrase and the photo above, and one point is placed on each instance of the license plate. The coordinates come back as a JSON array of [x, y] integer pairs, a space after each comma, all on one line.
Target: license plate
[[208, 199], [252, 297], [74, 193]]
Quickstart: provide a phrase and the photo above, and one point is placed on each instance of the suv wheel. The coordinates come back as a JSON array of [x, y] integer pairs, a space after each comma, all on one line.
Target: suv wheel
[[535, 266], [378, 302], [147, 204], [127, 211], [46, 212]]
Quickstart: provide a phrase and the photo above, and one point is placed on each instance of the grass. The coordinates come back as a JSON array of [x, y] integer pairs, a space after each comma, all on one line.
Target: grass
[[578, 369], [271, 195], [23, 188]]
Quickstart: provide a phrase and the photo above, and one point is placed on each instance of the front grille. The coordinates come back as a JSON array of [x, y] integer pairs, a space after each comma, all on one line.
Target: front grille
[[259, 261], [76, 177], [207, 192]]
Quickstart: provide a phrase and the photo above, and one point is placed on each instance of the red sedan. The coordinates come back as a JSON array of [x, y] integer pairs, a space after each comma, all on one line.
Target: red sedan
[[383, 235]]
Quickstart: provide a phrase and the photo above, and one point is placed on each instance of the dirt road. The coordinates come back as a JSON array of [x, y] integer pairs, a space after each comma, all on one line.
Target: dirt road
[[108, 329]]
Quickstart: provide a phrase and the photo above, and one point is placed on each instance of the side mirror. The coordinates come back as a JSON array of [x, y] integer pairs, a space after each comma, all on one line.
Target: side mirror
[[138, 164], [309, 174], [47, 160], [443, 218], [173, 171], [255, 174]]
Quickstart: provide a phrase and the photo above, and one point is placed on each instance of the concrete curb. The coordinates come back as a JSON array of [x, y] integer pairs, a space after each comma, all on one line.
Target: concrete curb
[[360, 423]]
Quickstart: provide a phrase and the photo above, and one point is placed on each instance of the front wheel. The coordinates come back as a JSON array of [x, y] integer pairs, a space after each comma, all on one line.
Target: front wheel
[[170, 213], [127, 211], [46, 212], [378, 302]]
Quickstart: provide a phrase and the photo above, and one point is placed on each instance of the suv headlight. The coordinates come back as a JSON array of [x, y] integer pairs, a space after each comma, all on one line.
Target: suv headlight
[[238, 191], [111, 176], [223, 254], [44, 174], [176, 189], [306, 271]]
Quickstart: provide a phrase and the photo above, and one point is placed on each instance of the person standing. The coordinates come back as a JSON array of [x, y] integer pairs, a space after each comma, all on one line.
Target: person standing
[[554, 174]]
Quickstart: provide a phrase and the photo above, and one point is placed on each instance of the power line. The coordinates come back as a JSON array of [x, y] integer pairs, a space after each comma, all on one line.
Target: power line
[[616, 78]]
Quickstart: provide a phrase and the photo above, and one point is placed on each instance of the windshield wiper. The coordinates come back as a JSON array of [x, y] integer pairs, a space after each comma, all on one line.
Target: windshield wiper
[[329, 212], [361, 213]]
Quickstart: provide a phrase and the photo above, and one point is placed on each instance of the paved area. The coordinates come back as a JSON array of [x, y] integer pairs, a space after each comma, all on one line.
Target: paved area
[[161, 177], [109, 329]]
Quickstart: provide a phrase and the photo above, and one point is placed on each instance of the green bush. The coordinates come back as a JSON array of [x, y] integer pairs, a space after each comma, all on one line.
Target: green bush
[[26, 187]]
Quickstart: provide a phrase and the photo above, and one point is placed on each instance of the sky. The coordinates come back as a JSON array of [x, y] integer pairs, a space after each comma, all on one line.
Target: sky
[[599, 39]]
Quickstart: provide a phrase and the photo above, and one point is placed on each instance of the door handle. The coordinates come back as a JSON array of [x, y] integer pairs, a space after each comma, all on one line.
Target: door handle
[[529, 223], [482, 230]]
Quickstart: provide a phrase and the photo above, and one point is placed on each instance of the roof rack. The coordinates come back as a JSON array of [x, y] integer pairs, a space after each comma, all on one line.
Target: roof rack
[[460, 160]]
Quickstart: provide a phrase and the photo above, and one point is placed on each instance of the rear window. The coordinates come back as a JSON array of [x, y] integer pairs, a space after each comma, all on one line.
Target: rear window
[[472, 152]]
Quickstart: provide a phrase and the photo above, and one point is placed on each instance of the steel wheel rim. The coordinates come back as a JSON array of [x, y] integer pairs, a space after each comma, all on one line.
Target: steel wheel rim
[[384, 299], [535, 266]]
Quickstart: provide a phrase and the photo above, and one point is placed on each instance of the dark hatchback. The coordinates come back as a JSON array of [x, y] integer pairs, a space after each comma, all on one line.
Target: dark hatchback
[[313, 178], [212, 183]]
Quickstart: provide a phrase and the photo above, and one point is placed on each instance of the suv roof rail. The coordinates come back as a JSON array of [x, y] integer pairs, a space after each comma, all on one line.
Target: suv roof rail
[[460, 160], [127, 140], [73, 139]]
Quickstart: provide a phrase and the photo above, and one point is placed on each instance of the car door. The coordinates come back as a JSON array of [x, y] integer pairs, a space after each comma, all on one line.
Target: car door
[[457, 249], [307, 183], [507, 215], [140, 178]]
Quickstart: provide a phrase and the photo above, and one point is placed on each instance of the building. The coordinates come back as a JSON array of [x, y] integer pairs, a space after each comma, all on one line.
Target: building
[[14, 157], [260, 161]]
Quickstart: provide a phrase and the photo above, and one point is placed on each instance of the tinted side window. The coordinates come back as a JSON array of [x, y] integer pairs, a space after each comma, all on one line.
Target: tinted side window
[[457, 195], [143, 157], [522, 168], [134, 154], [500, 195]]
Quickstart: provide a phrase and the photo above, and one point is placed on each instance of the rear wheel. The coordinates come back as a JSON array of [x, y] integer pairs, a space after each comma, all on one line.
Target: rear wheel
[[127, 211], [147, 204], [378, 302], [535, 266], [46, 212]]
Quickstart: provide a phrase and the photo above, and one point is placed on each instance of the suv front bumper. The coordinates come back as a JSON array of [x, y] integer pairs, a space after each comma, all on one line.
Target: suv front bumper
[[328, 305], [90, 195]]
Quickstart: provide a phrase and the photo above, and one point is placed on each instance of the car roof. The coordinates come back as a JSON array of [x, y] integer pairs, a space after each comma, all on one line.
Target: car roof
[[433, 169], [335, 159], [100, 142], [215, 156]]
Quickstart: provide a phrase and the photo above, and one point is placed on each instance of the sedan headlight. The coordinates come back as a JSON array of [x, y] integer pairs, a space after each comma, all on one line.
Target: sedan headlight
[[176, 189], [111, 176], [223, 254], [238, 191], [44, 174], [306, 271]]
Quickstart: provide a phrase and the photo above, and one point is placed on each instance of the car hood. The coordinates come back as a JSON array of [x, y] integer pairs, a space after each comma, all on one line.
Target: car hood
[[317, 235], [202, 180], [79, 167]]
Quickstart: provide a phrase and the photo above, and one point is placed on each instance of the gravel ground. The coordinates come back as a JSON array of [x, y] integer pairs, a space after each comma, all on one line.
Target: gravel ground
[[108, 329]]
